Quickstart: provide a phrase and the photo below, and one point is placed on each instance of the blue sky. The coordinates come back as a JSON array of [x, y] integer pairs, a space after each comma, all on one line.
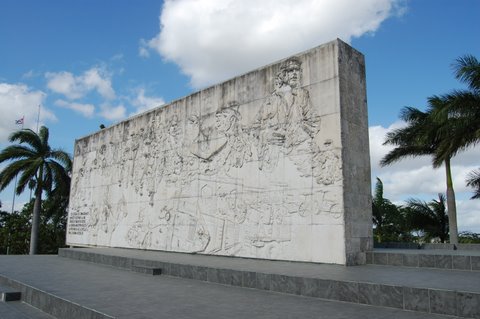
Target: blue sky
[[91, 62]]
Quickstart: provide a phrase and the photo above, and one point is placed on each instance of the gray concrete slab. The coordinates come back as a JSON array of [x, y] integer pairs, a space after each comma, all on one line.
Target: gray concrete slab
[[458, 252], [127, 294], [375, 274], [466, 260], [21, 310], [8, 294]]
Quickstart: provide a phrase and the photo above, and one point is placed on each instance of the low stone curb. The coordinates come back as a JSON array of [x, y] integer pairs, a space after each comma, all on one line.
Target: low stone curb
[[51, 304], [420, 260], [8, 294]]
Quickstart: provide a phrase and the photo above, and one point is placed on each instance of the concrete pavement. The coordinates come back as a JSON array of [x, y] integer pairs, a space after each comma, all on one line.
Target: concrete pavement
[[111, 292]]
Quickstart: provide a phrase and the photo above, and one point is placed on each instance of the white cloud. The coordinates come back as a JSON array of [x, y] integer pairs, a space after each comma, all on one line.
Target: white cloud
[[19, 202], [143, 49], [469, 215], [75, 87], [93, 79], [30, 74], [87, 110], [117, 57], [64, 83], [17, 101], [415, 177], [212, 40], [144, 103], [113, 113]]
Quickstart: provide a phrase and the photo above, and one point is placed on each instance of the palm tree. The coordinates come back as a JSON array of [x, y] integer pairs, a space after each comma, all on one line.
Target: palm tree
[[424, 135], [431, 218], [34, 159], [462, 108]]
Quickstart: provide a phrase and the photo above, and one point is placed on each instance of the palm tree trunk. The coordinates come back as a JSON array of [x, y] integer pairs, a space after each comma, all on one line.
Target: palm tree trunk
[[36, 213], [451, 206], [35, 221]]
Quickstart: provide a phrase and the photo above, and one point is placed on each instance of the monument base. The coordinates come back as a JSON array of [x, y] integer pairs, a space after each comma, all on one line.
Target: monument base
[[439, 291]]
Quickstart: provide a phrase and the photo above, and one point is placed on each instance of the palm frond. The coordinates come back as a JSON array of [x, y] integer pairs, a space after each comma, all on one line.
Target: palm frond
[[14, 152], [420, 207], [462, 103], [48, 178], [440, 206], [60, 177], [27, 175], [467, 70], [429, 217], [8, 174], [451, 131], [400, 153], [473, 180], [63, 157], [411, 114], [26, 136], [460, 130], [378, 197], [43, 134]]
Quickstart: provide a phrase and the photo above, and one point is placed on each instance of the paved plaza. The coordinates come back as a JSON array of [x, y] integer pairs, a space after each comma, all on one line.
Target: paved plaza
[[103, 291]]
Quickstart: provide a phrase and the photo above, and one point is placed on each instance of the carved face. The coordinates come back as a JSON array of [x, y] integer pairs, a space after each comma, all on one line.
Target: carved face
[[192, 129], [224, 121], [278, 81], [173, 128], [293, 76]]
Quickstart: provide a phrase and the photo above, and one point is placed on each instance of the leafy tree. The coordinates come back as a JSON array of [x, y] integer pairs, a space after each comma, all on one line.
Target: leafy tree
[[34, 159], [389, 219], [14, 228], [469, 238], [53, 223], [430, 218]]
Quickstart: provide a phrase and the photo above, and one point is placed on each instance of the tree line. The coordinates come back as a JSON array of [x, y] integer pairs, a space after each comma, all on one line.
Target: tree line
[[416, 221]]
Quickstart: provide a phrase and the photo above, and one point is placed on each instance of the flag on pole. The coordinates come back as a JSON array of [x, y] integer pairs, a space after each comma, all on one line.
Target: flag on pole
[[20, 121]]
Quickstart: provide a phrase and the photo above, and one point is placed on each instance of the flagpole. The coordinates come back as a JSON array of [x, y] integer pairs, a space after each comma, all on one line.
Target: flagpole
[[38, 121], [16, 176], [14, 186], [38, 116]]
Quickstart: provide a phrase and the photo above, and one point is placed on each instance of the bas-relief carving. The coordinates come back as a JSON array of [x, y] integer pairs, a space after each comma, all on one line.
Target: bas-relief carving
[[286, 122], [211, 183]]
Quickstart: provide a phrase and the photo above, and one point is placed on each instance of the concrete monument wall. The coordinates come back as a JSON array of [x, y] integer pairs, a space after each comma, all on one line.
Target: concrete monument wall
[[271, 164]]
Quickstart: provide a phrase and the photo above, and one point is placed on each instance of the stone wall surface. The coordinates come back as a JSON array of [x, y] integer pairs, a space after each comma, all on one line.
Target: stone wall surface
[[272, 164]]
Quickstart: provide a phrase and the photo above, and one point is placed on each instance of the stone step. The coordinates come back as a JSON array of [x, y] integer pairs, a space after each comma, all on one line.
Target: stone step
[[437, 291], [48, 303], [468, 260], [9, 294], [21, 310]]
